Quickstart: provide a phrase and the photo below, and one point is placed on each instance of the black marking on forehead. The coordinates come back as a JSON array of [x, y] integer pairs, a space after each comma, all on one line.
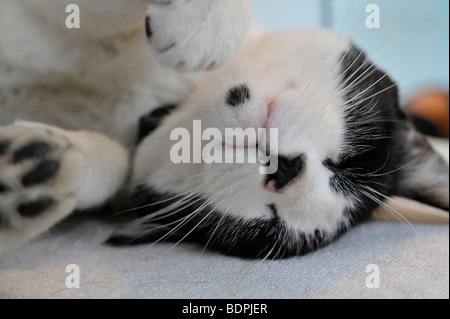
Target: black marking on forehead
[[372, 102], [150, 122], [255, 238], [238, 95], [366, 169]]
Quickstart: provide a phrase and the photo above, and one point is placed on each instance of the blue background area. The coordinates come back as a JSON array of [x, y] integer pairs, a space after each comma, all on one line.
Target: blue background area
[[412, 42]]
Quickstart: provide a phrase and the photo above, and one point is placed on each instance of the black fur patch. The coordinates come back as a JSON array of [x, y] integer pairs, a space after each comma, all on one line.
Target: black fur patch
[[273, 208], [256, 238], [425, 127], [366, 170], [150, 122], [238, 95], [35, 208]]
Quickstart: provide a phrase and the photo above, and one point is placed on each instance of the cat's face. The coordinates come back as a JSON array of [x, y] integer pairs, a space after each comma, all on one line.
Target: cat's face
[[342, 148]]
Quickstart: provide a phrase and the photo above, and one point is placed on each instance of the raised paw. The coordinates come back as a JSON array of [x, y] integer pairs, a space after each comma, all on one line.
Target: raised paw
[[197, 35], [40, 174]]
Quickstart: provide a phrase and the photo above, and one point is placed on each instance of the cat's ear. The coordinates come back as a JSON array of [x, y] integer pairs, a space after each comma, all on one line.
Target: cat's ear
[[424, 175]]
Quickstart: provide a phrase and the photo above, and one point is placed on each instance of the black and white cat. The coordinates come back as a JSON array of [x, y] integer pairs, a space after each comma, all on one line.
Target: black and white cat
[[344, 145]]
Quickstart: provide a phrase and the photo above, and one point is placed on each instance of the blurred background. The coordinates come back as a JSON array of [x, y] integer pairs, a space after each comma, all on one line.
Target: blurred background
[[412, 44]]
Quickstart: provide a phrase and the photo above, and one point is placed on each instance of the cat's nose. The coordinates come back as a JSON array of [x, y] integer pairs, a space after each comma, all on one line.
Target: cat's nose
[[289, 170]]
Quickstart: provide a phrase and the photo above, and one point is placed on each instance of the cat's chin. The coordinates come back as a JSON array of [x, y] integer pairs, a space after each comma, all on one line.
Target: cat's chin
[[175, 218]]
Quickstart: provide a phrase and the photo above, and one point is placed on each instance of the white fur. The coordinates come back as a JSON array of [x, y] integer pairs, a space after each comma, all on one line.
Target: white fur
[[101, 78]]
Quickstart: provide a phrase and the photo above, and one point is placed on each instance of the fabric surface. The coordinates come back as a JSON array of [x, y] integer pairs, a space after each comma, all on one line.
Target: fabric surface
[[413, 262]]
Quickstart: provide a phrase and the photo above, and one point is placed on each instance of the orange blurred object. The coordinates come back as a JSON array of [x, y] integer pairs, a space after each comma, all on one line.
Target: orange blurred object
[[434, 107]]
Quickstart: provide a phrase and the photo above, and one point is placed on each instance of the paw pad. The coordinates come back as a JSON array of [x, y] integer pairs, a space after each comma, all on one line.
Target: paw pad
[[38, 173], [4, 147], [3, 188], [41, 174], [148, 27], [33, 150], [35, 208]]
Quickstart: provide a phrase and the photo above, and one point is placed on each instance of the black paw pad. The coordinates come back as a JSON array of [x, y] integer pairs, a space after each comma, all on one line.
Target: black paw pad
[[35, 208], [41, 174], [238, 95], [2, 219], [3, 188], [148, 27], [4, 146], [33, 150]]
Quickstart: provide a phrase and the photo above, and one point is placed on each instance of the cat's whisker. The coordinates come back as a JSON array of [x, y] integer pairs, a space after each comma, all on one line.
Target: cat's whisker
[[318, 84], [336, 110], [168, 212], [406, 205], [344, 87], [276, 256], [188, 201], [179, 223], [391, 32], [195, 227], [217, 226], [361, 94], [199, 169], [394, 212], [185, 195], [408, 164], [188, 217], [269, 253]]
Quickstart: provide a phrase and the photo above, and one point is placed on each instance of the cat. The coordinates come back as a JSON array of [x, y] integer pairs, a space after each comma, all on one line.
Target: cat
[[344, 145]]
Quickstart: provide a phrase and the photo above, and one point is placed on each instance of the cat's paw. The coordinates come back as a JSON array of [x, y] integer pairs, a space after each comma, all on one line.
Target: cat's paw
[[40, 174], [197, 35]]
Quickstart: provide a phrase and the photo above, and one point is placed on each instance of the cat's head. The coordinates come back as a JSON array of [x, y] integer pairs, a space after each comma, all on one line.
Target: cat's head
[[342, 147]]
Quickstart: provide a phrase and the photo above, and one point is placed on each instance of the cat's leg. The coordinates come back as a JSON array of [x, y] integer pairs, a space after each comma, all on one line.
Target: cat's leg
[[196, 35], [46, 173]]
